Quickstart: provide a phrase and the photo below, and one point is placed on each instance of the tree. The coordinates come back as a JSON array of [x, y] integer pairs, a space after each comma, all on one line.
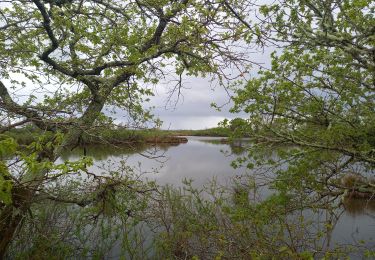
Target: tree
[[315, 104], [236, 123], [85, 55]]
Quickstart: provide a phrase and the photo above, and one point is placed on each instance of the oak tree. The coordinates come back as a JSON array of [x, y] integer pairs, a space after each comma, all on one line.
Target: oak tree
[[63, 62]]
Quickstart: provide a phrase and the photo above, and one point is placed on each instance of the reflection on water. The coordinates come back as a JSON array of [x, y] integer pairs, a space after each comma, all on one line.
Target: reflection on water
[[202, 159], [198, 160]]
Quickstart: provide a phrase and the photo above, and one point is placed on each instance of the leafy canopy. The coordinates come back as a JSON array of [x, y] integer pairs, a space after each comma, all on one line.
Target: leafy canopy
[[315, 104]]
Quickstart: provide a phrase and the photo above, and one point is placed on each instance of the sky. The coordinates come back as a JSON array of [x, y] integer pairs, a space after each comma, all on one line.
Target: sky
[[193, 110]]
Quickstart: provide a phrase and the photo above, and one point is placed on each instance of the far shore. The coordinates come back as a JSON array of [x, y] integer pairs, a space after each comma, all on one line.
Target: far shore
[[122, 136]]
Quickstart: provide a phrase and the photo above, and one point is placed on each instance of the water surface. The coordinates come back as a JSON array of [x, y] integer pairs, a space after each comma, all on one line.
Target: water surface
[[203, 159]]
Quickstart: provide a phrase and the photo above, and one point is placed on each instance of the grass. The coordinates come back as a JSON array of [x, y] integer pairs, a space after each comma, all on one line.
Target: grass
[[215, 132], [128, 136], [28, 135]]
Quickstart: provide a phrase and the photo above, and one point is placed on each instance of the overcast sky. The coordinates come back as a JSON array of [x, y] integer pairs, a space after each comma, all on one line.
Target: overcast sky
[[193, 110]]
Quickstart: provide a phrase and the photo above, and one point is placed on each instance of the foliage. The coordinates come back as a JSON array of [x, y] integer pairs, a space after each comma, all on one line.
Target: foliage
[[151, 222], [219, 222], [107, 220], [7, 148], [314, 107], [74, 61], [236, 123]]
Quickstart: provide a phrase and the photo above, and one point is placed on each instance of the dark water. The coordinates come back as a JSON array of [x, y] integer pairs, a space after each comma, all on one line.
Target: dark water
[[204, 159]]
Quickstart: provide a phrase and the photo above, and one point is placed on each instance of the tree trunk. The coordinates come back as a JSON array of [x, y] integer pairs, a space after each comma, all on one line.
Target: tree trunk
[[12, 216]]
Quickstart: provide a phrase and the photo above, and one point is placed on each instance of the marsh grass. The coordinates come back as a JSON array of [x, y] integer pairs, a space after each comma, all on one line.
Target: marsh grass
[[101, 135], [28, 135], [214, 132]]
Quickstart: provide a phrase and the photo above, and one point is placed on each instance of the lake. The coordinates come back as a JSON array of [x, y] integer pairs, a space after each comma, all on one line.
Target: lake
[[204, 159]]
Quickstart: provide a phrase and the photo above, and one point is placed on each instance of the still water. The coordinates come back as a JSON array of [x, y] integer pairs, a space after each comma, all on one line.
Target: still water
[[204, 159], [201, 159]]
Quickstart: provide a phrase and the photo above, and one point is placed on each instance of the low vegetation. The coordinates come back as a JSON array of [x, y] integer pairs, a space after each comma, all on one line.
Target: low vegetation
[[127, 217], [120, 136], [214, 132]]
